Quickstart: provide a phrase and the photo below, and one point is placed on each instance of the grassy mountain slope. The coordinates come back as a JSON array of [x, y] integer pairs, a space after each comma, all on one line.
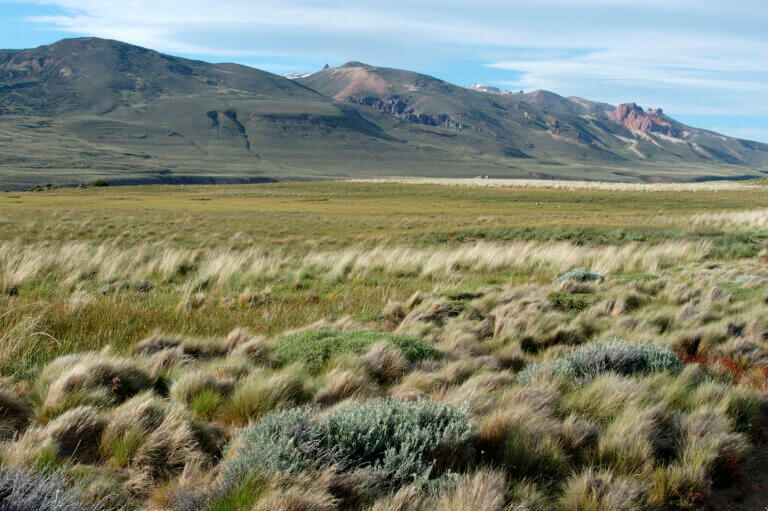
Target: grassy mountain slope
[[88, 108], [541, 125], [551, 102]]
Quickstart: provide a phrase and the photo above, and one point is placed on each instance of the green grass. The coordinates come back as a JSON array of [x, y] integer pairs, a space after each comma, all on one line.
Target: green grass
[[205, 403], [126, 446], [290, 221], [316, 347], [243, 497], [573, 301], [335, 212]]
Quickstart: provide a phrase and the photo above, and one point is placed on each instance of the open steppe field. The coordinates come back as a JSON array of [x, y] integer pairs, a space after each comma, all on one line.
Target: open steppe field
[[385, 346]]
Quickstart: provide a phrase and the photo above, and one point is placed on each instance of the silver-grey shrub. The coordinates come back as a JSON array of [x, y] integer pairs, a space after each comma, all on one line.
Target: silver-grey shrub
[[22, 489], [746, 278], [579, 275], [590, 360], [398, 440]]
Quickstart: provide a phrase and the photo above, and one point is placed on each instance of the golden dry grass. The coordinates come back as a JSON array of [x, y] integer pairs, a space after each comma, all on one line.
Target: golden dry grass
[[483, 182]]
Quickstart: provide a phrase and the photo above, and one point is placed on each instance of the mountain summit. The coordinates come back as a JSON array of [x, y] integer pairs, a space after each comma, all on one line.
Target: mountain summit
[[86, 108]]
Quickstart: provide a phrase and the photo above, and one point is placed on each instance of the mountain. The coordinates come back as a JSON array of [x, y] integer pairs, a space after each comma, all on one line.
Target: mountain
[[551, 102], [87, 108], [480, 87], [97, 76], [83, 109], [540, 131]]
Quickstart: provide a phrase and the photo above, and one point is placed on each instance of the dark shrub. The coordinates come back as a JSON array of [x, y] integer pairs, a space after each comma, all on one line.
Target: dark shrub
[[580, 275]]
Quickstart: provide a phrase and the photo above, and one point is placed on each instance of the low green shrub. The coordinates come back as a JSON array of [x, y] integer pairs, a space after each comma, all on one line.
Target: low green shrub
[[316, 347], [573, 301], [462, 293], [580, 275], [622, 357], [399, 441]]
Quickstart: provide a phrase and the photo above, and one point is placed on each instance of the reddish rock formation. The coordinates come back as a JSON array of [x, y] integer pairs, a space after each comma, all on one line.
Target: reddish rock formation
[[635, 118]]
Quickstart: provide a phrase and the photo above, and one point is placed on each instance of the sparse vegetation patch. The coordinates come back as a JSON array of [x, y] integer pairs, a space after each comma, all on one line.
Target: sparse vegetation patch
[[316, 347]]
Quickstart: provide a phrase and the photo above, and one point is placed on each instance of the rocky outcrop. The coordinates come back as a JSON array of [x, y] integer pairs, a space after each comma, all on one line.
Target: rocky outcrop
[[396, 107], [635, 118]]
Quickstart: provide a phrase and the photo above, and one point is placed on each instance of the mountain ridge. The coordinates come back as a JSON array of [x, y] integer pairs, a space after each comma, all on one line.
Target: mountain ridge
[[109, 110]]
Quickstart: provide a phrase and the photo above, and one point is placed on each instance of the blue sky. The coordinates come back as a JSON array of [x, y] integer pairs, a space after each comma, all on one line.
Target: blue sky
[[704, 61]]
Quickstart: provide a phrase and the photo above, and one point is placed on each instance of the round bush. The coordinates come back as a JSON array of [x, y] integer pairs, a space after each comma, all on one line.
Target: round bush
[[590, 360], [399, 440]]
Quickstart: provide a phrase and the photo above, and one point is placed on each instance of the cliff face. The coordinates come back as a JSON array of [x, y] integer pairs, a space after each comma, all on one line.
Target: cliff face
[[396, 107], [635, 118]]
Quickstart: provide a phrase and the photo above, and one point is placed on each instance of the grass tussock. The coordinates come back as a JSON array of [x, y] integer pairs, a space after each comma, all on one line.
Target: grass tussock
[[15, 412], [261, 392], [93, 379], [504, 401]]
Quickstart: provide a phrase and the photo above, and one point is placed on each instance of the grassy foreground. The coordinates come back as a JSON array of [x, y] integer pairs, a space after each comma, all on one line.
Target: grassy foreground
[[385, 346]]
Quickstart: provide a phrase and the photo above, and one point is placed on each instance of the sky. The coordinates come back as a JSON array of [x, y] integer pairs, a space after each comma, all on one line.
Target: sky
[[705, 62]]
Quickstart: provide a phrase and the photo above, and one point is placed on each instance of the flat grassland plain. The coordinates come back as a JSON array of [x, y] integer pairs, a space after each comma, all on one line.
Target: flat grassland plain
[[385, 346]]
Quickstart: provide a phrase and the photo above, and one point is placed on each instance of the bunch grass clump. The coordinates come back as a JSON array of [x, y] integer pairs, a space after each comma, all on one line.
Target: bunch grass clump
[[316, 347], [91, 379], [262, 391], [15, 412], [591, 360]]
